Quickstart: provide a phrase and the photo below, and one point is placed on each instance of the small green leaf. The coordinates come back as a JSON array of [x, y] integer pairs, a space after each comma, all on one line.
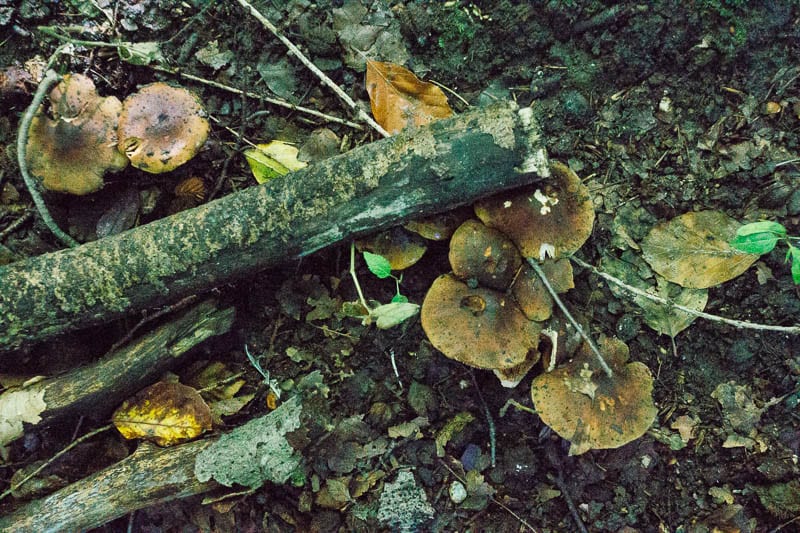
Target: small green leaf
[[142, 53], [755, 243], [795, 263], [399, 299], [389, 315], [378, 265], [764, 226]]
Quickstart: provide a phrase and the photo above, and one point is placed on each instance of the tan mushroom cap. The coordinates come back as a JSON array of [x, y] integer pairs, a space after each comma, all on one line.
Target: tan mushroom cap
[[72, 152], [511, 377], [161, 127], [483, 254], [557, 214], [589, 409], [399, 246], [530, 293], [478, 327], [440, 227]]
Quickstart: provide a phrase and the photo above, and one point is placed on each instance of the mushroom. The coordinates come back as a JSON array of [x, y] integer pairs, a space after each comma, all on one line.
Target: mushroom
[[399, 246], [584, 405], [161, 127], [552, 220], [482, 254], [532, 296], [440, 227], [72, 151], [478, 327]]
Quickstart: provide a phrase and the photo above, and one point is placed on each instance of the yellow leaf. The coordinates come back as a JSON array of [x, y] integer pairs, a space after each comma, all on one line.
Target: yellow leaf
[[399, 99], [164, 413], [273, 159]]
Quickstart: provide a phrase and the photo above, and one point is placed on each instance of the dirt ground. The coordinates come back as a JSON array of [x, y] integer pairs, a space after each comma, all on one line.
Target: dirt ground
[[662, 108]]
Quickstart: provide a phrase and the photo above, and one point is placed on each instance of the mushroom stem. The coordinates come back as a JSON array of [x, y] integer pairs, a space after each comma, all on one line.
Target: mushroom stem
[[50, 78], [539, 272]]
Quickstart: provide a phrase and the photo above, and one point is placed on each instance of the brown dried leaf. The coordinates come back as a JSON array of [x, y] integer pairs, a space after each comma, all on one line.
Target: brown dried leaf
[[399, 99], [164, 413]]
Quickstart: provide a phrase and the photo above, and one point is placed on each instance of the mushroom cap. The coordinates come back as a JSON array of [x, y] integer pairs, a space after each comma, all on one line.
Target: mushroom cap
[[161, 127], [589, 409], [478, 327], [71, 152], [441, 226], [480, 253], [399, 246], [558, 213], [531, 294], [511, 377]]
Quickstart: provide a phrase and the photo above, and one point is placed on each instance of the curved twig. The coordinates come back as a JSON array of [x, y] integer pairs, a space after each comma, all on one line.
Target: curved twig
[[50, 79]]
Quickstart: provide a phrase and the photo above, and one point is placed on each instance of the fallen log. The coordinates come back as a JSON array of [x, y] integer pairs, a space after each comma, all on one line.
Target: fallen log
[[150, 476], [96, 389], [423, 171]]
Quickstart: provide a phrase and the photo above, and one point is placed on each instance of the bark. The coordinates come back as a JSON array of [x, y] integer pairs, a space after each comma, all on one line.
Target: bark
[[150, 476], [96, 389], [431, 169]]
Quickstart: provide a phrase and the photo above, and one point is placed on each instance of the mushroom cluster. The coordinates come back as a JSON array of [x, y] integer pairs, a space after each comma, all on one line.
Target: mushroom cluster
[[87, 135], [494, 308], [490, 311]]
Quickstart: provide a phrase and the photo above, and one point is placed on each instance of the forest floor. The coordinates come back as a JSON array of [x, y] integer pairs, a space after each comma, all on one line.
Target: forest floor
[[662, 108]]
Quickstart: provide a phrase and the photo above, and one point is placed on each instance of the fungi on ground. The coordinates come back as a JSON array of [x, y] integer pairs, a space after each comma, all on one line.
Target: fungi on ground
[[549, 220], [584, 405], [441, 226], [161, 127], [72, 151], [399, 246], [483, 254], [478, 327], [532, 296]]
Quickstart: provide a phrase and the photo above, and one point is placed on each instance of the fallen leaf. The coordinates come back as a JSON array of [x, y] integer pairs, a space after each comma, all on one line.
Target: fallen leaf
[[273, 159], [399, 99], [18, 406], [685, 425], [692, 250], [164, 413]]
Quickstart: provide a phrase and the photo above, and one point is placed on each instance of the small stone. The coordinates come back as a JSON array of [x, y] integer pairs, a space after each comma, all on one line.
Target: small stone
[[458, 493]]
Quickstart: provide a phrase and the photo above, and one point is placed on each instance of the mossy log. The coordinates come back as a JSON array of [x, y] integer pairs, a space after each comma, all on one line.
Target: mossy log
[[420, 172], [96, 389], [150, 476]]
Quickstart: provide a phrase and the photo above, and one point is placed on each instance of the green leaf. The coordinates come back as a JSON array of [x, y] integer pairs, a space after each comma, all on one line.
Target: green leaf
[[378, 265], [764, 226], [273, 159], [399, 299], [389, 315], [142, 53], [795, 264], [755, 243]]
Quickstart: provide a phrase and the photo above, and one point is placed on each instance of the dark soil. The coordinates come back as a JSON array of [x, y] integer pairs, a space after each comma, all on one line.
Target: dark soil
[[662, 109]]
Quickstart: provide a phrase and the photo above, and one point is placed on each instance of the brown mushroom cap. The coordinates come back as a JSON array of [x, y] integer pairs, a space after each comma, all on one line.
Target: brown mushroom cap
[[440, 227], [480, 253], [531, 294], [588, 408], [399, 246], [558, 214], [72, 152], [161, 127], [478, 327]]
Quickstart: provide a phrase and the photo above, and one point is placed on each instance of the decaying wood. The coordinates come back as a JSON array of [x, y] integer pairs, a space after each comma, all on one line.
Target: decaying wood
[[96, 389], [149, 476], [431, 169]]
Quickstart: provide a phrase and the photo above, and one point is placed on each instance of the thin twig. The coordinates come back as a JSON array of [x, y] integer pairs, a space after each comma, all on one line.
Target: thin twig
[[255, 96], [360, 113], [562, 486], [489, 421], [53, 459], [27, 215], [180, 304], [539, 272], [795, 330], [50, 79]]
